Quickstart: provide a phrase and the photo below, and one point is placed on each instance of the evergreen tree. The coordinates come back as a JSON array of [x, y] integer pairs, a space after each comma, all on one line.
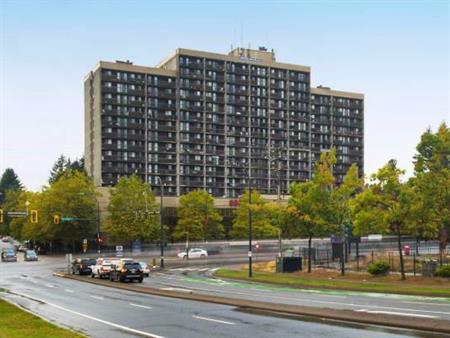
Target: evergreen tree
[[9, 181]]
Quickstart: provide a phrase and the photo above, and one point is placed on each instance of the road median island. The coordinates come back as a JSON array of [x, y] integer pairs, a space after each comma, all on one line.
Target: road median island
[[425, 324], [16, 322], [335, 282]]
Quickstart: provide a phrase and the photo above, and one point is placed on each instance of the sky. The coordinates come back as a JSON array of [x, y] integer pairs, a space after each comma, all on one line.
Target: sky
[[395, 52]]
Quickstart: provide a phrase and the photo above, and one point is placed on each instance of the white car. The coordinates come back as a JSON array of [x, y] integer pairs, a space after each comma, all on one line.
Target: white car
[[145, 269], [102, 268], [194, 253]]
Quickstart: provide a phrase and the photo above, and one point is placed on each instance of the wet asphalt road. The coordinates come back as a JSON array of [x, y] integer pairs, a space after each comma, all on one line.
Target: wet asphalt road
[[104, 312]]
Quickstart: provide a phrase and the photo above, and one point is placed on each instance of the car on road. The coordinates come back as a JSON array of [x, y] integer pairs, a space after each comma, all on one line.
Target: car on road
[[82, 266], [194, 253], [123, 271], [145, 269], [6, 239], [8, 255], [30, 255], [102, 268]]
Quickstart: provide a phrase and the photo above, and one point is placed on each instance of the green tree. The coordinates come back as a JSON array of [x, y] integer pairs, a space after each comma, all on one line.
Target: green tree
[[18, 200], [73, 195], [198, 219], [310, 203], [261, 220], [342, 196], [64, 164], [432, 183], [384, 206], [9, 181], [132, 211]]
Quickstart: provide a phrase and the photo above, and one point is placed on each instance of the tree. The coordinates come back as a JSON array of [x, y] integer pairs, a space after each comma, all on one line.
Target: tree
[[310, 202], [197, 217], [16, 200], [9, 181], [261, 221], [384, 206], [432, 183], [73, 195], [64, 164], [132, 211]]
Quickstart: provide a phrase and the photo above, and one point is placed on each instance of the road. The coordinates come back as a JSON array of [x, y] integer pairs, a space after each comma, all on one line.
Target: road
[[104, 312]]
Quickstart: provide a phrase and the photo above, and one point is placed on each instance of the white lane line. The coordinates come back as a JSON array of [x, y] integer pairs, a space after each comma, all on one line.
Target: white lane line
[[176, 289], [121, 327], [395, 313], [97, 297], [142, 306], [68, 290], [213, 320], [422, 303], [49, 285]]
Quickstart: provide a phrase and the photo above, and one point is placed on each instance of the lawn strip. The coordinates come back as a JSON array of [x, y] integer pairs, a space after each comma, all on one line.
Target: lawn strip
[[17, 323]]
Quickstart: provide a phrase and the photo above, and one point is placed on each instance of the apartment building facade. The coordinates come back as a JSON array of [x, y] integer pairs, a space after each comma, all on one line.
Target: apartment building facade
[[201, 120]]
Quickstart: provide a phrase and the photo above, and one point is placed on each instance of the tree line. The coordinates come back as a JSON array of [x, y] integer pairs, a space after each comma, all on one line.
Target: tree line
[[386, 204]]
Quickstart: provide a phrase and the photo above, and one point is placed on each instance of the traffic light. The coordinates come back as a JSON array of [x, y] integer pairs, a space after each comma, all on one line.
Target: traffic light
[[34, 216], [56, 219], [1, 216]]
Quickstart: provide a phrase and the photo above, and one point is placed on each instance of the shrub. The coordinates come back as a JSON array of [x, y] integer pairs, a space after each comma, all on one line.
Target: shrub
[[443, 271], [378, 268]]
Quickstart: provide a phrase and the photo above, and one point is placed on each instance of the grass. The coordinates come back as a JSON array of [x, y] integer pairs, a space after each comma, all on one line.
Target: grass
[[331, 280], [17, 323]]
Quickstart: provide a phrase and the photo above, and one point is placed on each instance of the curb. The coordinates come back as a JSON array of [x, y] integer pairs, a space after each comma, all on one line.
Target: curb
[[424, 324]]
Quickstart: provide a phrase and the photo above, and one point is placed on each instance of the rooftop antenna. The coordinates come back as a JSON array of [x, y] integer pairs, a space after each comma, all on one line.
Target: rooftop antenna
[[242, 35]]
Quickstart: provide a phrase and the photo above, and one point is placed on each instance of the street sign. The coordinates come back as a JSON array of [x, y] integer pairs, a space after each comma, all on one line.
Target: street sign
[[68, 219], [16, 214], [119, 251]]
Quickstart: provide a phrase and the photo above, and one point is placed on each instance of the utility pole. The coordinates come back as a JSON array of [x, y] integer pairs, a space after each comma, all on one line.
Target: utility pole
[[161, 209], [250, 272]]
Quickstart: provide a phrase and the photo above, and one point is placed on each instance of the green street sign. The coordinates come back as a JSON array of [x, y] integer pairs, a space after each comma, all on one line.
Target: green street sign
[[68, 219]]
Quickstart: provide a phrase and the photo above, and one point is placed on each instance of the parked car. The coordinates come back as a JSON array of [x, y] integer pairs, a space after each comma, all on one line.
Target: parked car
[[9, 255], [5, 239], [145, 269], [30, 255], [124, 271], [194, 253], [102, 268], [82, 266]]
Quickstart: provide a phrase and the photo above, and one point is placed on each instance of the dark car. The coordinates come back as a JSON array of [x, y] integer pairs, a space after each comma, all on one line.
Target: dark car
[[82, 266], [9, 255], [124, 271], [30, 255]]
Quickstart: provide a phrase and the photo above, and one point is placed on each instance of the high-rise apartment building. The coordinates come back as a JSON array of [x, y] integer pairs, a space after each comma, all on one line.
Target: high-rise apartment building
[[210, 121]]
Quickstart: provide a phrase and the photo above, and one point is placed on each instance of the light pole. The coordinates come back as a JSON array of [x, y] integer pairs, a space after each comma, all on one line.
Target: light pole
[[250, 253], [161, 208]]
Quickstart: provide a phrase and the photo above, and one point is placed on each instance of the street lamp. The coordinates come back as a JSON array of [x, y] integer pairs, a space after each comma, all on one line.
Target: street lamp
[[248, 172], [161, 208]]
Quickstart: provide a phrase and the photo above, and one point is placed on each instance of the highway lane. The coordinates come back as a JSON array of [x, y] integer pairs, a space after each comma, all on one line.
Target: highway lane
[[104, 312], [198, 280]]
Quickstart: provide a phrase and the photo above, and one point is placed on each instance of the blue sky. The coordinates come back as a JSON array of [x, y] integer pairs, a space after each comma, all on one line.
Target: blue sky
[[395, 52]]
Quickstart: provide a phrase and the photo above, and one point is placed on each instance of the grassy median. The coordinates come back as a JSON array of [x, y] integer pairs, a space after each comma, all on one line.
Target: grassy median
[[352, 282], [17, 323]]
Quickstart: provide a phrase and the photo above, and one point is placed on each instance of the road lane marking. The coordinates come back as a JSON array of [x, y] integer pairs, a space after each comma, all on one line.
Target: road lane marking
[[395, 313], [213, 320], [422, 303], [176, 289], [142, 306], [121, 327], [68, 290], [98, 297], [49, 285]]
